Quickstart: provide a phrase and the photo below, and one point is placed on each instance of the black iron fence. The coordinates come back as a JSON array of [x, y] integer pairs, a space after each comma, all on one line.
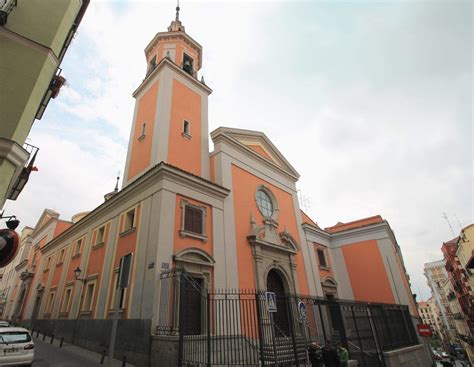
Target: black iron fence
[[236, 328]]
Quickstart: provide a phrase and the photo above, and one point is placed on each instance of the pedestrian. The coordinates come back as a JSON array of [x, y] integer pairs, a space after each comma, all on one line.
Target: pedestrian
[[330, 355], [315, 356], [343, 355]]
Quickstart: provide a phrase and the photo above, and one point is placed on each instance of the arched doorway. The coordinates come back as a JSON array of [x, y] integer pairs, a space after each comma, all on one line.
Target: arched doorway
[[280, 318]]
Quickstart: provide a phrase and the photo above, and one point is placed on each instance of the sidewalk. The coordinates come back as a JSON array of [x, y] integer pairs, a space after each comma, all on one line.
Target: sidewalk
[[47, 354]]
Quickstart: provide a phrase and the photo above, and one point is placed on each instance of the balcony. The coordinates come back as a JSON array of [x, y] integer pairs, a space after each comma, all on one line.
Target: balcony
[[52, 92], [449, 266], [24, 175]]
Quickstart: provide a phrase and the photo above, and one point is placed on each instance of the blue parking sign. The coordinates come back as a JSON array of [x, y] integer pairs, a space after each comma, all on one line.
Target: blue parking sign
[[271, 301]]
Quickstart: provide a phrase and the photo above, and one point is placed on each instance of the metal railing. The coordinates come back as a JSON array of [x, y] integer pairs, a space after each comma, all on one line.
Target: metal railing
[[235, 328]]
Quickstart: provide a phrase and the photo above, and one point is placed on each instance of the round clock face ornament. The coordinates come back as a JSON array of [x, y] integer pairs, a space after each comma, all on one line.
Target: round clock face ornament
[[8, 246]]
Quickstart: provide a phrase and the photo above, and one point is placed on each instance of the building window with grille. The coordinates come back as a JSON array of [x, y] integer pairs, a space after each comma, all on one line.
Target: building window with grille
[[193, 220], [322, 258]]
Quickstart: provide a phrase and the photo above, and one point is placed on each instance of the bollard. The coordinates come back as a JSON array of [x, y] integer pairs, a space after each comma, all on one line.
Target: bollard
[[37, 333], [52, 338], [44, 336], [61, 342], [124, 361], [103, 356]]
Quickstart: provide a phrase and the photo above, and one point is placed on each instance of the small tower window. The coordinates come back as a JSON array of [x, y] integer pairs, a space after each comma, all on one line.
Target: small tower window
[[186, 129], [188, 64], [142, 135]]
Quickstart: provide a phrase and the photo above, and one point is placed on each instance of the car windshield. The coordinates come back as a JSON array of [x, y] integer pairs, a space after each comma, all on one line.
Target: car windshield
[[11, 337]]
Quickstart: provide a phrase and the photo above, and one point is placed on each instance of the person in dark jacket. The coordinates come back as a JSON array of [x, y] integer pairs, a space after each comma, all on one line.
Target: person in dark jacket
[[330, 355], [315, 356]]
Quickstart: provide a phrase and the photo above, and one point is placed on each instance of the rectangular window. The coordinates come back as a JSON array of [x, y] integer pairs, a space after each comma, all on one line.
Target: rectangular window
[[100, 235], [186, 128], [62, 253], [321, 258], [129, 221], [122, 294], [77, 247], [193, 219], [48, 263], [89, 297], [49, 307], [66, 299]]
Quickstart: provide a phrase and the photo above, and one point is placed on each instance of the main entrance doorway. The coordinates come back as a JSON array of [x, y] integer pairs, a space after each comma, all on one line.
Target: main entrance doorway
[[280, 318]]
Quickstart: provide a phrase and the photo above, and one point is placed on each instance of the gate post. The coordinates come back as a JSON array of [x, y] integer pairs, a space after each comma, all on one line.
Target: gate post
[[292, 328], [375, 333], [259, 323], [181, 325], [208, 305], [357, 333]]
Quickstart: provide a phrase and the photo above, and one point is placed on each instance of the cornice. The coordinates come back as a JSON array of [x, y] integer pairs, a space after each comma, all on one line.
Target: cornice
[[316, 231], [370, 229], [166, 62], [21, 265], [178, 34], [161, 171], [252, 154], [18, 38]]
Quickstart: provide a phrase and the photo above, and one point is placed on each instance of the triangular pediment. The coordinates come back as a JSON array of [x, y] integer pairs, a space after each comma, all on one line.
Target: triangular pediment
[[259, 144], [46, 216]]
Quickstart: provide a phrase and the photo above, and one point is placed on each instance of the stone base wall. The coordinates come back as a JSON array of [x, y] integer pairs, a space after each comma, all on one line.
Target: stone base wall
[[133, 336], [414, 356], [164, 351]]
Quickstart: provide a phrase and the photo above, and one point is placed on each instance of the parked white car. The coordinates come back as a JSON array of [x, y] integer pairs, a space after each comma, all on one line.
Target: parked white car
[[4, 324], [16, 346]]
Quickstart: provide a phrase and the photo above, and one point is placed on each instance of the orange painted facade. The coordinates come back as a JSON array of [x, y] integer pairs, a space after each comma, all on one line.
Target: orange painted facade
[[142, 135], [185, 152], [245, 185], [369, 278]]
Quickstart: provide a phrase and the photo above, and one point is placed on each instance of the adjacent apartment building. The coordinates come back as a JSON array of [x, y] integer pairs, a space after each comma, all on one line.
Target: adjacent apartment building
[[34, 37]]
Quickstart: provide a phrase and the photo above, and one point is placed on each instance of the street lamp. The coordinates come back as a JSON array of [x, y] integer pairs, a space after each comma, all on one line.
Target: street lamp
[[77, 274]]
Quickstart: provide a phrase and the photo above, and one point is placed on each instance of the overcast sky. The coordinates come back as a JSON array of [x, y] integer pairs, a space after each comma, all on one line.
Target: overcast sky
[[370, 101]]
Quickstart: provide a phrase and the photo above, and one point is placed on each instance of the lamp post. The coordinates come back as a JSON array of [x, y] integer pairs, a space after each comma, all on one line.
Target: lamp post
[[77, 274]]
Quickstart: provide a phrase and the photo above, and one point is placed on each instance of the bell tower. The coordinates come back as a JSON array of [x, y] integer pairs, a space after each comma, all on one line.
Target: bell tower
[[170, 121]]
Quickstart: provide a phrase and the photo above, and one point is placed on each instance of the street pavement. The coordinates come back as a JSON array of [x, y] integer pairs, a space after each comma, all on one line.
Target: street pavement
[[457, 364], [50, 355]]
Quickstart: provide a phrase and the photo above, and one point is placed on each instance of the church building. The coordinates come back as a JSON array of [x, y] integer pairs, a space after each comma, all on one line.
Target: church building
[[229, 218]]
